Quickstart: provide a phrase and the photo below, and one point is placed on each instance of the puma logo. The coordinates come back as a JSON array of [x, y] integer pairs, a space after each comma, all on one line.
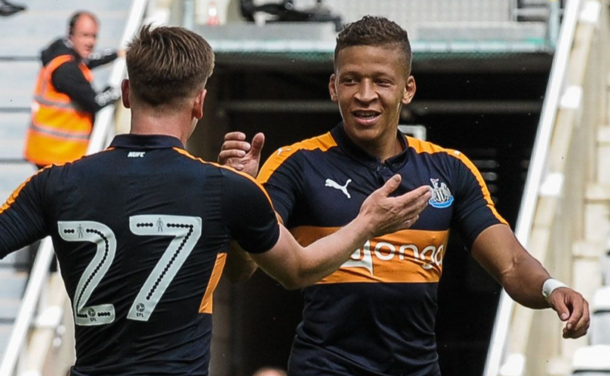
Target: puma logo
[[343, 188]]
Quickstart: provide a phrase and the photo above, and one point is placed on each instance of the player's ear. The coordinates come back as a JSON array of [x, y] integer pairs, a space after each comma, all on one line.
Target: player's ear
[[125, 93], [332, 88], [198, 104], [409, 92]]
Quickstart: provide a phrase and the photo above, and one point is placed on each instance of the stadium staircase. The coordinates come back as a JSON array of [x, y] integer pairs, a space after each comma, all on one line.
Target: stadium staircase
[[32, 300], [33, 325], [564, 217]]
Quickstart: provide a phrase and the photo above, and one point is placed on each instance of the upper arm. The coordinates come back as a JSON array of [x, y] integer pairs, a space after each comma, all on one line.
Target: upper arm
[[22, 220], [474, 207], [69, 79], [498, 250], [248, 213], [279, 262], [282, 177], [239, 265]]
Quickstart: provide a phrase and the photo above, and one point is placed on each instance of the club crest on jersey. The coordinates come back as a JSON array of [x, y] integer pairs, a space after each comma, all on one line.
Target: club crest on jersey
[[441, 195]]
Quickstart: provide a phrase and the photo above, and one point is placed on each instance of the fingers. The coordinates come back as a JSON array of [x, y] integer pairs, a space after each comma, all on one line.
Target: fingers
[[578, 322], [257, 145], [233, 146], [232, 136], [390, 186], [417, 199], [572, 308]]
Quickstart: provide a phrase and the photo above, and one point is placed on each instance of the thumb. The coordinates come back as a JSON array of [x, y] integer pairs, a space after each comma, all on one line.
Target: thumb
[[257, 145], [390, 185]]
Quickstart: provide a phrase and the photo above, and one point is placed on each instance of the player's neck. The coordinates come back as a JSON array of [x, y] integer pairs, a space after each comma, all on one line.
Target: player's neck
[[383, 150], [176, 125]]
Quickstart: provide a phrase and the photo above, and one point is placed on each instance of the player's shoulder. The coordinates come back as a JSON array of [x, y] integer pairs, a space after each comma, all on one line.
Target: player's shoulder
[[224, 171], [322, 142], [421, 147]]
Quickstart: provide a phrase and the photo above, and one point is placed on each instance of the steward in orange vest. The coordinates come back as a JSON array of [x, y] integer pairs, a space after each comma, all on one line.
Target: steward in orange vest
[[64, 105]]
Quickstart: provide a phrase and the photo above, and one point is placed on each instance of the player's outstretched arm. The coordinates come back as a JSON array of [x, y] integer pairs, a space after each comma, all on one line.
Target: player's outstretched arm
[[523, 277], [240, 154], [295, 266], [239, 266]]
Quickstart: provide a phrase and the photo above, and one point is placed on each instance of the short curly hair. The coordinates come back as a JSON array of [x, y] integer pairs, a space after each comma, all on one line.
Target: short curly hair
[[375, 31]]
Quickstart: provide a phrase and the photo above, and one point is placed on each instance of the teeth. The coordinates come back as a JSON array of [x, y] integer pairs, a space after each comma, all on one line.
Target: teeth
[[365, 114]]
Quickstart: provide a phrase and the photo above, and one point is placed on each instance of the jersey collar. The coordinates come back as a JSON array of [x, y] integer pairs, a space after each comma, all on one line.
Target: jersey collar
[[145, 142], [364, 157]]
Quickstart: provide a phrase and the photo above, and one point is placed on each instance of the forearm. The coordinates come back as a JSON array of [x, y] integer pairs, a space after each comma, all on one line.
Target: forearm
[[524, 283], [327, 254], [69, 80], [499, 252], [295, 266], [101, 57], [239, 266]]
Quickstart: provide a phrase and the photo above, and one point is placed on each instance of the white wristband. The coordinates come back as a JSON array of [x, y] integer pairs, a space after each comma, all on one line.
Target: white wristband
[[549, 286]]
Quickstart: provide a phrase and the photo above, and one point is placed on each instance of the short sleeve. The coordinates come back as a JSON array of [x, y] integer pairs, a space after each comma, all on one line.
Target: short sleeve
[[475, 210], [282, 177], [248, 213], [22, 219]]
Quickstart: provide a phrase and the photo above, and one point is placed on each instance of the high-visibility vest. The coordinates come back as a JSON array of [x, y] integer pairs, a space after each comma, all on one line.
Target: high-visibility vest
[[60, 129]]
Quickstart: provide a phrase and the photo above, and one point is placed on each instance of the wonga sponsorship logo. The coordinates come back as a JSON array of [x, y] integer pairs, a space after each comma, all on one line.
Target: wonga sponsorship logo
[[404, 256]]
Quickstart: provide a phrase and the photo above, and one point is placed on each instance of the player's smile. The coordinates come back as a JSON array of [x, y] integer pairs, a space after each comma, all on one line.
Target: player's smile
[[366, 117]]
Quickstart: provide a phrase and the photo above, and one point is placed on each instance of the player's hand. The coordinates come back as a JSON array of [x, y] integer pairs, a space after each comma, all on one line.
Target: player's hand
[[390, 214], [240, 154], [573, 309]]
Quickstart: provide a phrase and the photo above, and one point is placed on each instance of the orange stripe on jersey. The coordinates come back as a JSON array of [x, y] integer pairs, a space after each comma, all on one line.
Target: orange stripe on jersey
[[207, 303], [427, 147], [323, 142], [406, 256], [189, 155], [11, 200], [482, 184]]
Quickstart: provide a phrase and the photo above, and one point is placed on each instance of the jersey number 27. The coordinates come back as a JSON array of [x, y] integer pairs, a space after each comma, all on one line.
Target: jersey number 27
[[185, 232]]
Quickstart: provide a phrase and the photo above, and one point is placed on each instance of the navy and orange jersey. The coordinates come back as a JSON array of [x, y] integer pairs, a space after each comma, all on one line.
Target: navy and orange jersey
[[376, 314], [140, 232]]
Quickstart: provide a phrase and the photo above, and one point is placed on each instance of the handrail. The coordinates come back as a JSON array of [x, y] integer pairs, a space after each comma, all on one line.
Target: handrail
[[33, 290], [104, 119], [40, 270], [536, 172]]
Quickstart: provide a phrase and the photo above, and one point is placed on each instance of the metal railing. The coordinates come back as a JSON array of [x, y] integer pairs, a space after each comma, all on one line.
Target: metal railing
[[536, 173], [102, 131]]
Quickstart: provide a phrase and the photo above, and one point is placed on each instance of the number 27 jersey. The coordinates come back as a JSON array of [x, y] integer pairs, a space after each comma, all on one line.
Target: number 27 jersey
[[140, 232]]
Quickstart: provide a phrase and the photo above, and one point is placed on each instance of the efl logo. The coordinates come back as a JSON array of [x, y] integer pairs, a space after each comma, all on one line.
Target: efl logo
[[429, 257]]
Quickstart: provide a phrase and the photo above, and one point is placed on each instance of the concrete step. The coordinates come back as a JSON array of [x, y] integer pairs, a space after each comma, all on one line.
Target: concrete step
[[13, 130], [9, 309], [18, 86], [12, 175], [20, 260], [533, 14], [12, 284], [5, 335]]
